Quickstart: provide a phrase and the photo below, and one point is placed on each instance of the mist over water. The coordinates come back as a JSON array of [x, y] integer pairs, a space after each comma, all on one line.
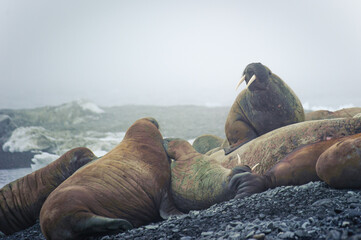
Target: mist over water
[[168, 53]]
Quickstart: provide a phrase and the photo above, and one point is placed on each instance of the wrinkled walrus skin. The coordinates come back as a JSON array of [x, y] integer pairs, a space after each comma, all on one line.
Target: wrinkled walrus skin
[[198, 181], [267, 104], [299, 167], [266, 151], [128, 187], [22, 199], [340, 165]]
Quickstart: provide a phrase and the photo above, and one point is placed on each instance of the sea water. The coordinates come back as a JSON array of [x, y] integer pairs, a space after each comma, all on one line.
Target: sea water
[[9, 175]]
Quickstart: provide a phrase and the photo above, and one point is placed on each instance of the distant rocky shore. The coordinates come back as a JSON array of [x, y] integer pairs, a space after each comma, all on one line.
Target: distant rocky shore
[[56, 129], [8, 159], [311, 211]]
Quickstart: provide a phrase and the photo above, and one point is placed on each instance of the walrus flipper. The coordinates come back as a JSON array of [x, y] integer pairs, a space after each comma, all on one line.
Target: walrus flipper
[[98, 225], [167, 207], [246, 183]]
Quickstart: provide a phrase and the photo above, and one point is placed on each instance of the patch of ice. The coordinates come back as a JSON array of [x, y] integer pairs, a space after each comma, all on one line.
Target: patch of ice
[[25, 139], [42, 159]]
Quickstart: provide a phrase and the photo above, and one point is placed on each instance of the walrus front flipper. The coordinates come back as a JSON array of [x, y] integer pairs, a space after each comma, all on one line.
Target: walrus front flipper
[[247, 183], [97, 225]]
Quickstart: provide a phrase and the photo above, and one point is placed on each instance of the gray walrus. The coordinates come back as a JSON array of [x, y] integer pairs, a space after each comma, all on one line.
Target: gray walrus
[[266, 104], [271, 152]]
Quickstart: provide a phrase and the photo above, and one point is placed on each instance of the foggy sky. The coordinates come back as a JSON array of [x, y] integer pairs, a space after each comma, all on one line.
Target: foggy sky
[[176, 52]]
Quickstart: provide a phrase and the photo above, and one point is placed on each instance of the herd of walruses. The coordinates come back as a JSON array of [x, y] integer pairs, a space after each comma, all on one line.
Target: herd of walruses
[[270, 142]]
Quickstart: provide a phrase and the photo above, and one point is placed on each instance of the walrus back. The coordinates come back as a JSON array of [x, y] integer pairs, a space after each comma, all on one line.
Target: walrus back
[[123, 188], [21, 200]]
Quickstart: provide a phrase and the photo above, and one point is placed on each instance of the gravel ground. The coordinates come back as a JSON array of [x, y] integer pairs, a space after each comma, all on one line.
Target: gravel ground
[[311, 211]]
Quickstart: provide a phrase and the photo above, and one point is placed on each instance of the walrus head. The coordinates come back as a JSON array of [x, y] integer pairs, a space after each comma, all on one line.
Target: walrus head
[[256, 76]]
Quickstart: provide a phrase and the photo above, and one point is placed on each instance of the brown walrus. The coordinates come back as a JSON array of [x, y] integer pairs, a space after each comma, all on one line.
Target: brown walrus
[[325, 114], [266, 104], [340, 165], [128, 187], [268, 150], [22, 199], [312, 162]]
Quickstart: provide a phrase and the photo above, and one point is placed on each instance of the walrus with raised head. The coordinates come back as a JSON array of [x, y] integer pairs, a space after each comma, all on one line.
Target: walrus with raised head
[[128, 187], [22, 199], [266, 104], [288, 155], [284, 156]]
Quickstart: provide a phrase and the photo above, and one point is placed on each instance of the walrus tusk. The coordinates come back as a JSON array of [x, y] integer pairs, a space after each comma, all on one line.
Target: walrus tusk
[[251, 80], [255, 166], [239, 159], [241, 81]]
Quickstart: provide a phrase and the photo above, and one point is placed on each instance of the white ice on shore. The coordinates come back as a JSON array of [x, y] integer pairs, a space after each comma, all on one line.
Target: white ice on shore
[[42, 159], [28, 139]]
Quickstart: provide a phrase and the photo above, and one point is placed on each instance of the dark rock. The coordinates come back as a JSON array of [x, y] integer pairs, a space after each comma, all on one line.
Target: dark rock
[[6, 128], [8, 159], [15, 160]]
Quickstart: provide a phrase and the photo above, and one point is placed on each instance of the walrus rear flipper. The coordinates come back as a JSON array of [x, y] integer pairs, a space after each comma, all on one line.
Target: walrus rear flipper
[[167, 207], [97, 225]]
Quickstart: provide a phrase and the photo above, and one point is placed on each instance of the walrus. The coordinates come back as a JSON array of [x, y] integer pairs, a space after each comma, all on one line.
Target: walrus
[[198, 181], [22, 199], [309, 163], [325, 114], [266, 104], [207, 142], [128, 187], [340, 165], [268, 151]]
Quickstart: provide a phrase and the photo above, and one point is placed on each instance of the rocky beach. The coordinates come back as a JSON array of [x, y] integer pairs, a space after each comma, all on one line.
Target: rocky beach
[[311, 211]]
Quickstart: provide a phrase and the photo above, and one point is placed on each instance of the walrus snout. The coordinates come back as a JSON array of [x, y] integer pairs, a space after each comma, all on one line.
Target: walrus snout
[[256, 75], [81, 156], [154, 121]]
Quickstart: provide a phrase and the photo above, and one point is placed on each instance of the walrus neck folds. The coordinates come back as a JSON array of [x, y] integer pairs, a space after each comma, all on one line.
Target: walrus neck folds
[[179, 148]]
